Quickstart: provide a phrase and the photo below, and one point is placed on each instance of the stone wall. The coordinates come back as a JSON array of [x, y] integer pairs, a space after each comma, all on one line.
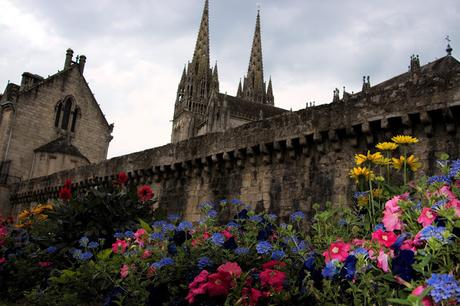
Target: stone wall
[[281, 163]]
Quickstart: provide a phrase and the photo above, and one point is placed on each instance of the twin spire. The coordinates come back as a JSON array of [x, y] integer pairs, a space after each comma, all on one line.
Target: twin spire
[[254, 86]]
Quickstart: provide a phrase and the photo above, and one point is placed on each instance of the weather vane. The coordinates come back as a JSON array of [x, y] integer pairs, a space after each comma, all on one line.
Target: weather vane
[[449, 48]]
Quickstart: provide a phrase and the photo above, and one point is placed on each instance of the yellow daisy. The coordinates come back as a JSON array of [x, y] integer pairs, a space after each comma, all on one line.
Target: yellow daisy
[[412, 162], [404, 139], [387, 146], [373, 158], [358, 172]]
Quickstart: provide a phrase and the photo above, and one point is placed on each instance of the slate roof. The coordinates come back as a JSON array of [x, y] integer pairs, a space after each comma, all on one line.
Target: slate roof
[[63, 146], [242, 108]]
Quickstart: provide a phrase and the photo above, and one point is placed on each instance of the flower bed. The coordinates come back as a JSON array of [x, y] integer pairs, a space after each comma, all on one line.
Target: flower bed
[[396, 245]]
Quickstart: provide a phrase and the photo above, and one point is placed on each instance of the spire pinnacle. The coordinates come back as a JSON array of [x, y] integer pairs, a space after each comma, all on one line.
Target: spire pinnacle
[[254, 85], [239, 93], [201, 54], [449, 48], [270, 99]]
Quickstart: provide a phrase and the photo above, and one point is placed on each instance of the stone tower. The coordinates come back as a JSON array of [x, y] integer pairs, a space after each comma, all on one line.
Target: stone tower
[[196, 84], [254, 85]]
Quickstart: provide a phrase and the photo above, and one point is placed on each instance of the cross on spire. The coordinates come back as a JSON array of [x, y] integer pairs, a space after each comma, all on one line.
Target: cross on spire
[[449, 48]]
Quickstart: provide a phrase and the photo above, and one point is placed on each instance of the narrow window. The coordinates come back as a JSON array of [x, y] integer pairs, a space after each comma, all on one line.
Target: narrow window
[[66, 117], [58, 115], [74, 120]]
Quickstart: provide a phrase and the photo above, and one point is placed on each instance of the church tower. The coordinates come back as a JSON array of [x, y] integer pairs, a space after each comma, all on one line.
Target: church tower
[[253, 88], [195, 86]]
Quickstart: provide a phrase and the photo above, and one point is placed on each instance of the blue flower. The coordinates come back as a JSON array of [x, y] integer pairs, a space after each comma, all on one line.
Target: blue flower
[[256, 218], [439, 179], [118, 235], [212, 213], [360, 194], [271, 217], [86, 256], [439, 204], [93, 245], [51, 250], [454, 168], [206, 206], [129, 234], [84, 241], [168, 227], [156, 236], [173, 217], [263, 247], [166, 261], [204, 262], [241, 251], [309, 264], [360, 251], [278, 255], [330, 269], [300, 246], [159, 224], [402, 265], [232, 224], [444, 287], [218, 239], [236, 202], [434, 232], [379, 226], [297, 216], [349, 267], [184, 225]]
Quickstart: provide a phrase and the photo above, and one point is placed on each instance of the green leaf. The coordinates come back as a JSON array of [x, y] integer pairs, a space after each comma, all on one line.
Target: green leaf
[[104, 254], [145, 226], [399, 301]]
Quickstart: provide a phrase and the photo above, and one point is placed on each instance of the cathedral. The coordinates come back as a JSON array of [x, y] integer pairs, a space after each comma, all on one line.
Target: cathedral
[[200, 108]]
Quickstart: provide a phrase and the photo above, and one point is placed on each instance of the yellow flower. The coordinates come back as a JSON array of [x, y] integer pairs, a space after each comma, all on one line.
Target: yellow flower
[[377, 193], [412, 162], [363, 201], [24, 214], [358, 172], [373, 158], [383, 161], [404, 139], [387, 146]]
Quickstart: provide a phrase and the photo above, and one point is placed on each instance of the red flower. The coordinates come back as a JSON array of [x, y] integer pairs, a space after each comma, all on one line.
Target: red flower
[[68, 183], [427, 216], [337, 250], [119, 247], [65, 193], [227, 234], [273, 264], [122, 178], [144, 193], [45, 264], [2, 260], [206, 235], [231, 268], [254, 295], [384, 238], [219, 284], [273, 278], [198, 286]]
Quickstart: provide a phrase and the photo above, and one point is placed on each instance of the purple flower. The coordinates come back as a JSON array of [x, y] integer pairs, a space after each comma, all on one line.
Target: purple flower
[[184, 225], [278, 255], [297, 216], [204, 262], [444, 287], [241, 251]]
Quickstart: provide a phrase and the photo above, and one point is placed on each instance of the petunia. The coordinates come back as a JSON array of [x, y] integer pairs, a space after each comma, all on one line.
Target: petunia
[[273, 278], [65, 194], [119, 247], [426, 301], [144, 193], [122, 178], [219, 284], [337, 250], [427, 216], [382, 261], [124, 271], [384, 238], [231, 268]]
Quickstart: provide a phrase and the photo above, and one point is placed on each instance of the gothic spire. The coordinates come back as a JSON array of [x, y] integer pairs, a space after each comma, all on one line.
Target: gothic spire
[[215, 79], [201, 55], [270, 99], [239, 93], [254, 85]]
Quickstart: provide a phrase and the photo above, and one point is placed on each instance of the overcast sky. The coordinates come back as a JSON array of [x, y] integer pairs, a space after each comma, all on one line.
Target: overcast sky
[[136, 49]]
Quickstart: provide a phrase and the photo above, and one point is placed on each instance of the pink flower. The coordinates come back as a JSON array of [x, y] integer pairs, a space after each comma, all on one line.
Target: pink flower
[[382, 261], [384, 238], [273, 278], [124, 271], [408, 245], [119, 247], [2, 260], [337, 250], [391, 221], [427, 216], [138, 235], [454, 203], [426, 301], [146, 254], [227, 234], [45, 264], [198, 286], [231, 268]]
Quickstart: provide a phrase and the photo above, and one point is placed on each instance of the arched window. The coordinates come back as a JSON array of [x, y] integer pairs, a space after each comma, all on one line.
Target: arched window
[[58, 114], [66, 117], [74, 119]]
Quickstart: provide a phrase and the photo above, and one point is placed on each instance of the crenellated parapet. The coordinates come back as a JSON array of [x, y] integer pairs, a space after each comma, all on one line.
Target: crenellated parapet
[[287, 161]]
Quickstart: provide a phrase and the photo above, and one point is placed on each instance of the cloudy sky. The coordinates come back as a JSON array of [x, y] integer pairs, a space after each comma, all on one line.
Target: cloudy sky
[[136, 49]]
